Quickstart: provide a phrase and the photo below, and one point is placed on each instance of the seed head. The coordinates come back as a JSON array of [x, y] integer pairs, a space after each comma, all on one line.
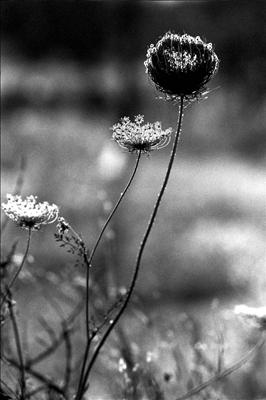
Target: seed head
[[181, 65], [28, 214], [136, 136]]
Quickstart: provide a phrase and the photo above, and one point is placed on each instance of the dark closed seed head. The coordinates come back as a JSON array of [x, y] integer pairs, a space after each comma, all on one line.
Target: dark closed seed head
[[181, 65]]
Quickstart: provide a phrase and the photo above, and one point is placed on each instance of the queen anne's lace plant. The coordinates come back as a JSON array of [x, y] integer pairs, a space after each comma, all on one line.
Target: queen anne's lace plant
[[28, 214], [137, 136], [181, 65], [254, 315]]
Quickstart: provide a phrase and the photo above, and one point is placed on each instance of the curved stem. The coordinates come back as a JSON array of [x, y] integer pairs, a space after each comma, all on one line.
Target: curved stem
[[19, 269], [115, 208], [92, 253], [88, 262], [142, 246]]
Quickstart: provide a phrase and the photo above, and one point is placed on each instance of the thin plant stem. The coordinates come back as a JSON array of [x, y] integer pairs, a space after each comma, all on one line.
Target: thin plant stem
[[88, 261], [141, 249], [18, 345], [10, 391], [19, 269], [68, 355], [46, 352], [225, 372], [115, 208], [92, 253], [35, 391], [49, 383]]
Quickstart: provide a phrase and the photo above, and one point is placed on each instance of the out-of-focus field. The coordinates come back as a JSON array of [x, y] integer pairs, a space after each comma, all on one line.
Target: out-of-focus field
[[209, 238], [211, 222]]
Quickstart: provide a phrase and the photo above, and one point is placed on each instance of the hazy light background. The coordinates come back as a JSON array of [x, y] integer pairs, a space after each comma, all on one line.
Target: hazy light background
[[69, 71]]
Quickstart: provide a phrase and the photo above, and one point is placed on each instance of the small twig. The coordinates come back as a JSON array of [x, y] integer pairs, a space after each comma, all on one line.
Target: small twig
[[4, 265], [226, 372], [19, 269], [15, 396], [18, 345], [106, 317], [46, 353], [47, 328], [35, 391], [49, 383], [56, 343], [68, 370], [9, 256]]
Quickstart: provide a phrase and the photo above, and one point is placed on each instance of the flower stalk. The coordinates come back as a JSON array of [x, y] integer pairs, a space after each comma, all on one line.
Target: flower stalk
[[141, 250], [88, 262]]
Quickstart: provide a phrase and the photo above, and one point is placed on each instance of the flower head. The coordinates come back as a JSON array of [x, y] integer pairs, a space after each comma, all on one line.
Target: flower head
[[181, 65], [28, 214], [136, 136], [254, 315]]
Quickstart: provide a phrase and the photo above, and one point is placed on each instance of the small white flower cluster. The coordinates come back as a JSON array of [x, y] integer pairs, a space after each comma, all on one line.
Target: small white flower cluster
[[135, 136], [28, 214], [254, 315]]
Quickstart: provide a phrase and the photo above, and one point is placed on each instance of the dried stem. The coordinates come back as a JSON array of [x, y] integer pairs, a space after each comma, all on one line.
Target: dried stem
[[35, 391], [88, 261], [19, 269], [46, 352], [139, 256], [68, 370], [49, 383], [9, 391]]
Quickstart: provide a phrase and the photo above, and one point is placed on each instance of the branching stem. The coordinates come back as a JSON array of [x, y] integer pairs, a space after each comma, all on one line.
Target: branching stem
[[141, 249], [88, 262]]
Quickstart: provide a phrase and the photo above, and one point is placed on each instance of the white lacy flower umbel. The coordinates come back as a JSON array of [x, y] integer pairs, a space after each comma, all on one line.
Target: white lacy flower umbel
[[255, 315], [28, 214], [136, 136]]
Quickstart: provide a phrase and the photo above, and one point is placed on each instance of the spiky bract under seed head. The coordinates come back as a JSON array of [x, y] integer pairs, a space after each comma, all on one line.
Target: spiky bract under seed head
[[137, 136], [28, 214], [181, 65]]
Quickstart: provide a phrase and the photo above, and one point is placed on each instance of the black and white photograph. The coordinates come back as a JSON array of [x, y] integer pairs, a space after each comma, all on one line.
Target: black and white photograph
[[133, 200]]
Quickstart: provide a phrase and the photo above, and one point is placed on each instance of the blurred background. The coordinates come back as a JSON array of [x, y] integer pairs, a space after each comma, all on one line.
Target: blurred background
[[69, 71]]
